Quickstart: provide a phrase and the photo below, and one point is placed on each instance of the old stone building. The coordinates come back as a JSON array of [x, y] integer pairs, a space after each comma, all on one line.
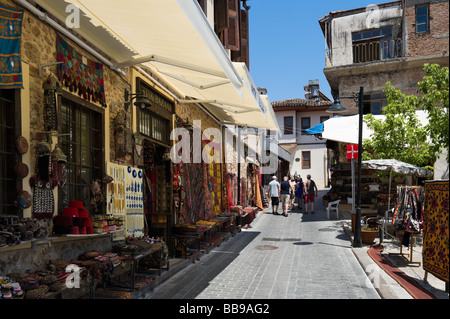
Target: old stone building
[[84, 121], [385, 42]]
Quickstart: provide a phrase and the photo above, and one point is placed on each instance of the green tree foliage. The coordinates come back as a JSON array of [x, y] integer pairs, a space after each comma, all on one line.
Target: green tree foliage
[[401, 135]]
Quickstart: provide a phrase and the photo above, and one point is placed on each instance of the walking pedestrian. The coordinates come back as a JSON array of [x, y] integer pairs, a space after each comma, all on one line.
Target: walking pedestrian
[[274, 194], [285, 191], [292, 195], [299, 193], [310, 187]]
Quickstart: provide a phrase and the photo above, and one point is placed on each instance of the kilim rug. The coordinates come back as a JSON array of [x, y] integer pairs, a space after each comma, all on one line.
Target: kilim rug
[[408, 283], [435, 253]]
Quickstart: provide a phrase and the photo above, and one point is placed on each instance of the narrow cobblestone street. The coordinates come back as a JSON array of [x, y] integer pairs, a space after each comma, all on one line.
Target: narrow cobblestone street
[[302, 256]]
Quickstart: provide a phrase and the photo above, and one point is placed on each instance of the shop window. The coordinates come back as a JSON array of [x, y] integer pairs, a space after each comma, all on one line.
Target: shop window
[[288, 125], [83, 148], [154, 122], [154, 126], [306, 160], [306, 123], [422, 18], [7, 155]]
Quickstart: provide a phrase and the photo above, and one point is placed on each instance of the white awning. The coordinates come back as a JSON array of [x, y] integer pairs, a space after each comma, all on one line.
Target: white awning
[[345, 129], [174, 40]]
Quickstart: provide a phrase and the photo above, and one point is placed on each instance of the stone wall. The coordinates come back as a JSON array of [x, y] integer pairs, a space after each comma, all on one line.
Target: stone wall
[[28, 257]]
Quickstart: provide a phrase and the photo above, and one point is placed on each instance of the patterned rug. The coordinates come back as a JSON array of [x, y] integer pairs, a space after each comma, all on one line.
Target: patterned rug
[[435, 252]]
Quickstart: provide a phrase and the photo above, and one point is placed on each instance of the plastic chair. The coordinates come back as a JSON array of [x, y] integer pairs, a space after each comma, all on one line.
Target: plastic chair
[[333, 206]]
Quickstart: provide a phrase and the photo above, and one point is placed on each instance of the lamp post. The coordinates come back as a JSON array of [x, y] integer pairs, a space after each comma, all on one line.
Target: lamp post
[[338, 108]]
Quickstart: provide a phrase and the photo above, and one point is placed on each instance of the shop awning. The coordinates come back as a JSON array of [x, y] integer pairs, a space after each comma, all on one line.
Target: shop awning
[[174, 40], [345, 129]]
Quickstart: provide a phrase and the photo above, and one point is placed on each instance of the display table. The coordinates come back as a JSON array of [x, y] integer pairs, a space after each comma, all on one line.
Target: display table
[[131, 266]]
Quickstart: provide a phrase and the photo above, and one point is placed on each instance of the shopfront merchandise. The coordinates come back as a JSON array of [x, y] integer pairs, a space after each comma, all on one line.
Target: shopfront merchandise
[[435, 251]]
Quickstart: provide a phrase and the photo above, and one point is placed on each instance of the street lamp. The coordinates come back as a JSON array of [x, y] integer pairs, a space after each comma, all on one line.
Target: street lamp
[[338, 108]]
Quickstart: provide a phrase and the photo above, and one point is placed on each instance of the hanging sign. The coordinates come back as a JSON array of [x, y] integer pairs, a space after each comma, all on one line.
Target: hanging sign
[[352, 151]]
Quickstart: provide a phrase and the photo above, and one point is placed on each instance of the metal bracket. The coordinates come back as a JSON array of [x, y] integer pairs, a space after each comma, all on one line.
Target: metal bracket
[[44, 65]]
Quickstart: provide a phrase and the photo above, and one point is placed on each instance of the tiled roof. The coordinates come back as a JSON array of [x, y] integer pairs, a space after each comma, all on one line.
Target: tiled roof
[[300, 103]]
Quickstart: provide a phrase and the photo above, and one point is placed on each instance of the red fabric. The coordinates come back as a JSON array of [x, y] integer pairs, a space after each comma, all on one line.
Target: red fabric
[[410, 285]]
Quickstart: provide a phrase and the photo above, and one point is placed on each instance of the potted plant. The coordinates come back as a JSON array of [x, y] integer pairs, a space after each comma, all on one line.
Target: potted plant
[[369, 233]]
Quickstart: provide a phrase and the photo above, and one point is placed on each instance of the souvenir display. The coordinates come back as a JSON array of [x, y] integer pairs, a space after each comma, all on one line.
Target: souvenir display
[[51, 86], [24, 199], [21, 145], [120, 135], [124, 197], [74, 220], [42, 183], [115, 190]]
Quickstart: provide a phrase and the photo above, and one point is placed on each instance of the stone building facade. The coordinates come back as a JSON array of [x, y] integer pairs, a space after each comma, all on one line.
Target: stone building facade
[[395, 50]]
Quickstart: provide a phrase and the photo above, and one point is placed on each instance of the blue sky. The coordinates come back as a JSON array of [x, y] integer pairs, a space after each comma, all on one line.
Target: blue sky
[[287, 46]]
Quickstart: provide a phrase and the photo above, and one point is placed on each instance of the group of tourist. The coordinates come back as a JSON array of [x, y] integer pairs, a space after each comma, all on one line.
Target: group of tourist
[[289, 190]]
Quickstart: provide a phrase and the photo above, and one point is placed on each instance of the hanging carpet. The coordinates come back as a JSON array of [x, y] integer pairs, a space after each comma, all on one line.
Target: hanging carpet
[[80, 74], [435, 253], [10, 36]]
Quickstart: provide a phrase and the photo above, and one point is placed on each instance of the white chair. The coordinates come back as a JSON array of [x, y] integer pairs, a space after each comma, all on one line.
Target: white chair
[[333, 206]]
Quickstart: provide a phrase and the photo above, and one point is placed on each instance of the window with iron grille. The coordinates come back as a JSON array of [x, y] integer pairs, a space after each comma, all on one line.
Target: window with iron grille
[[7, 156], [154, 122], [154, 126], [83, 148]]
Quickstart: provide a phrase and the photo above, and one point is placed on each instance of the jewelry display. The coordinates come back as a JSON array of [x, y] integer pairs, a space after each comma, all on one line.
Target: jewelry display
[[125, 197]]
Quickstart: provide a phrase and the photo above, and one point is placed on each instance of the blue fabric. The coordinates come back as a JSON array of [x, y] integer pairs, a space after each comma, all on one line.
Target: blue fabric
[[318, 129], [299, 189], [314, 130], [10, 35]]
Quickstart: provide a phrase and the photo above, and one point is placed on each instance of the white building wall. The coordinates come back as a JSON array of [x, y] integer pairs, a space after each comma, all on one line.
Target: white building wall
[[290, 138], [318, 170]]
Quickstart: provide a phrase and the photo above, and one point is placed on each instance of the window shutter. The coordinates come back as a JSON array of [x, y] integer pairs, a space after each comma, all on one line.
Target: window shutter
[[202, 5], [231, 36], [220, 15], [243, 54]]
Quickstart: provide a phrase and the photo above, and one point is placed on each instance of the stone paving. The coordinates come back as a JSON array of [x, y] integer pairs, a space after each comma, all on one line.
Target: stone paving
[[302, 256]]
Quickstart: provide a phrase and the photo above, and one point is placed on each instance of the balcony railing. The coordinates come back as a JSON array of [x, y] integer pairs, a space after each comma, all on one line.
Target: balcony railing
[[376, 50]]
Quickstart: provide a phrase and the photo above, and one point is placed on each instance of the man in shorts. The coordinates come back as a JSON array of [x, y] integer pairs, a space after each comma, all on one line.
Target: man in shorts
[[285, 191], [274, 193], [310, 189]]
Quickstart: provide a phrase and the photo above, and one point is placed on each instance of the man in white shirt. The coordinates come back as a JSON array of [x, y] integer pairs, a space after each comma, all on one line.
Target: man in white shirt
[[274, 193]]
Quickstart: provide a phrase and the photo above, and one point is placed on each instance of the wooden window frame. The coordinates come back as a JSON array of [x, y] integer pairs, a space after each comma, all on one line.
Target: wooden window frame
[[13, 128], [288, 130], [74, 189], [304, 127], [306, 164]]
